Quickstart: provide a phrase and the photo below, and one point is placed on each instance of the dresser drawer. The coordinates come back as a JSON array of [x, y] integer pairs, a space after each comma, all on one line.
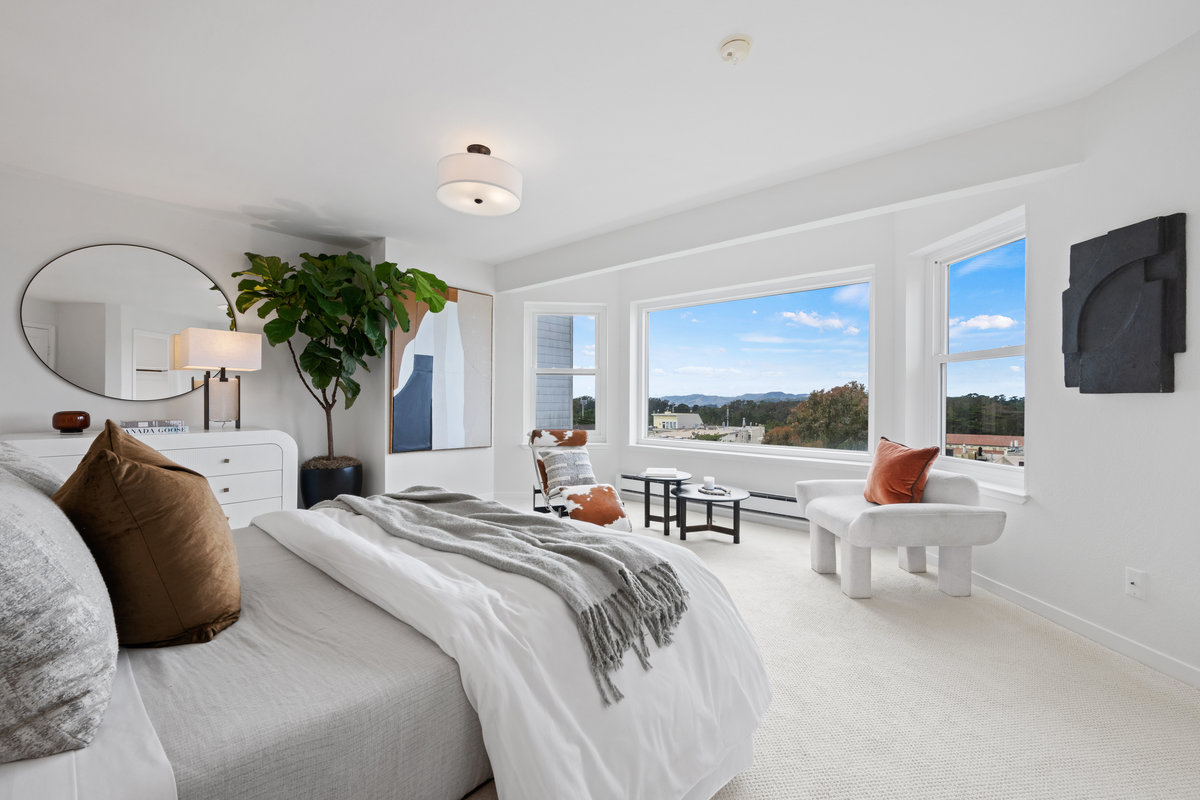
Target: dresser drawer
[[210, 461], [251, 486], [240, 514]]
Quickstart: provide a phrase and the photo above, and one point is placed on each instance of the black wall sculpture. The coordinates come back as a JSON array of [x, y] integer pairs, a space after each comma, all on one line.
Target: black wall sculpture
[[1123, 315]]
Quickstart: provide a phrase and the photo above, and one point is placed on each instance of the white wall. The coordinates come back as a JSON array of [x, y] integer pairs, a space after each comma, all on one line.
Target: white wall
[[1108, 481]]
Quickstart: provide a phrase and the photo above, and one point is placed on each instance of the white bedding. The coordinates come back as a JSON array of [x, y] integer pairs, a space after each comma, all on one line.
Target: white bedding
[[682, 731], [124, 762]]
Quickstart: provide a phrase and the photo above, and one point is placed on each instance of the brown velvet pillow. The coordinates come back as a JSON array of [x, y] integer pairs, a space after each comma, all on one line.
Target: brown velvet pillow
[[160, 538], [898, 473]]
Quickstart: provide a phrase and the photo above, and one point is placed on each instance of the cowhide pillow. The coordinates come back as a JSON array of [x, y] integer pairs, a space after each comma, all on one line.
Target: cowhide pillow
[[598, 504]]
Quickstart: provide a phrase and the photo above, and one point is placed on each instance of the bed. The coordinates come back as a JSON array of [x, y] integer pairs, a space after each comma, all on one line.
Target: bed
[[342, 681]]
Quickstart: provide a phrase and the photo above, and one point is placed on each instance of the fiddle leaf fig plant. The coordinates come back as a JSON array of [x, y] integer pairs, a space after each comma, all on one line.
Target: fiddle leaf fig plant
[[343, 306]]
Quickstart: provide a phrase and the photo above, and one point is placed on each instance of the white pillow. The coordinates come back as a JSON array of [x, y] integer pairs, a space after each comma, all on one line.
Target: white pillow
[[567, 467]]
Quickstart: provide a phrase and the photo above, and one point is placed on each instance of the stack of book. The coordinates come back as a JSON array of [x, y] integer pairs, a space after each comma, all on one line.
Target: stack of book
[[660, 472], [147, 426]]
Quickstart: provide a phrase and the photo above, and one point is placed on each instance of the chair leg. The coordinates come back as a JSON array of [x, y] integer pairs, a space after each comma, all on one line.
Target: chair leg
[[912, 559], [856, 571], [954, 570], [821, 549]]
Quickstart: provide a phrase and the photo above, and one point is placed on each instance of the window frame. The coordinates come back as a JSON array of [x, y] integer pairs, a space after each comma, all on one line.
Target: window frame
[[994, 233], [639, 361], [599, 311]]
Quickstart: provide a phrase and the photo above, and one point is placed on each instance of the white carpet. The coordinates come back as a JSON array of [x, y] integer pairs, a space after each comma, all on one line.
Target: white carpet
[[914, 694]]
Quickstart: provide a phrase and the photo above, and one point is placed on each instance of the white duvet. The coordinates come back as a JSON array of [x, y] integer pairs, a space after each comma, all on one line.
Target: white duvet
[[682, 731]]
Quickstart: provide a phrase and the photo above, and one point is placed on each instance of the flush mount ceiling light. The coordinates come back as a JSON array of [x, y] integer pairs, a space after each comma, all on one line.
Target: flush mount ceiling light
[[476, 182], [736, 49]]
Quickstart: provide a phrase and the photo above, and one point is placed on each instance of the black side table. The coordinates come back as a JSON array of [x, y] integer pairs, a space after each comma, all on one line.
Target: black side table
[[667, 483], [692, 493]]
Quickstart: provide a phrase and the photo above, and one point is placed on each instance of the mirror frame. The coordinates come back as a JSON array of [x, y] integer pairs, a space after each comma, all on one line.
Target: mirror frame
[[38, 358]]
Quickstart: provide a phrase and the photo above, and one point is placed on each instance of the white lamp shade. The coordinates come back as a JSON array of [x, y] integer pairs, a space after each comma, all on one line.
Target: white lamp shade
[[474, 183], [205, 348]]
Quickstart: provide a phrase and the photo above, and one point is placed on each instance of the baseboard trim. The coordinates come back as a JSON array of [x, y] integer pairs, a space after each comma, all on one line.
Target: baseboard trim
[[1155, 659]]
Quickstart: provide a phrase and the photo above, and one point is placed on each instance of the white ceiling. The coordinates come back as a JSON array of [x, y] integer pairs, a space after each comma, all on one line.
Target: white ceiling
[[327, 119]]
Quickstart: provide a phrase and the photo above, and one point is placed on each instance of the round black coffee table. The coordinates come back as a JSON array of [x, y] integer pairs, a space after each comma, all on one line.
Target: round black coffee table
[[667, 482], [692, 493]]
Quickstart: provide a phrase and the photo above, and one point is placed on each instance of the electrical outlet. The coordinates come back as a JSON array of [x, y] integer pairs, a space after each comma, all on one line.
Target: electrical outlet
[[1136, 583]]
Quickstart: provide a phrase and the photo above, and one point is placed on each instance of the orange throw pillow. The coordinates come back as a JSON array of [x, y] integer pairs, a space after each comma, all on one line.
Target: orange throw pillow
[[898, 473], [160, 538]]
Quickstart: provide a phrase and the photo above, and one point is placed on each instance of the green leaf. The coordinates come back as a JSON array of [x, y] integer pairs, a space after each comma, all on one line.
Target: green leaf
[[350, 389], [267, 308], [290, 313], [401, 317], [279, 331], [384, 271], [354, 299], [331, 307], [312, 327]]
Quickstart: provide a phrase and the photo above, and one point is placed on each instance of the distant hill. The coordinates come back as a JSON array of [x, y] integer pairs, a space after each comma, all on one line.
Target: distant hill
[[717, 400]]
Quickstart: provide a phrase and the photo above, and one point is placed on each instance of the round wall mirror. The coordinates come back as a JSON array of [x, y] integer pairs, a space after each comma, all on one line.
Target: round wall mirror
[[102, 317]]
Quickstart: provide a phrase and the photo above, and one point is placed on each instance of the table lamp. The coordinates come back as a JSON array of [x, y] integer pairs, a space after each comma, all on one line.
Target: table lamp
[[218, 351]]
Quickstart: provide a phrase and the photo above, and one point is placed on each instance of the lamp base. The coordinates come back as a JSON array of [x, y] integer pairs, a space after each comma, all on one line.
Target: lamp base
[[222, 399]]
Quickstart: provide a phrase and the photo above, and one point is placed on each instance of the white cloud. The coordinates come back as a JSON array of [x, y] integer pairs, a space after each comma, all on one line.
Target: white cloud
[[658, 371], [754, 311], [757, 338], [856, 294], [1015, 368], [813, 320], [986, 322], [852, 331]]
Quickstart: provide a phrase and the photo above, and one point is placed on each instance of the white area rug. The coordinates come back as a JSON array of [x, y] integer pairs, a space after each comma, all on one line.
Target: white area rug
[[916, 695]]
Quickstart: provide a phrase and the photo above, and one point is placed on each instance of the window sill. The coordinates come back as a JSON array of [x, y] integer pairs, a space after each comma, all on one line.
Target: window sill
[[844, 457]]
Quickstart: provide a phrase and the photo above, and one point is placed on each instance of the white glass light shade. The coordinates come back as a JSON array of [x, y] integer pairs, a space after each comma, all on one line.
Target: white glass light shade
[[205, 348], [474, 183], [223, 400]]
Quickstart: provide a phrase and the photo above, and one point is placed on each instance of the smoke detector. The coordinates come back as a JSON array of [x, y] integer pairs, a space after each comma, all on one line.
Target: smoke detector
[[735, 49]]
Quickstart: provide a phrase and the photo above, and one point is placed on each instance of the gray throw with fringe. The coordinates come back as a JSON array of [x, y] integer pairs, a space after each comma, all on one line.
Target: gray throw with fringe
[[618, 590]]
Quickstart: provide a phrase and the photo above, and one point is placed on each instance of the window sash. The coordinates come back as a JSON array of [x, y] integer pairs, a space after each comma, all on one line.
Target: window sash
[[1008, 229], [598, 312]]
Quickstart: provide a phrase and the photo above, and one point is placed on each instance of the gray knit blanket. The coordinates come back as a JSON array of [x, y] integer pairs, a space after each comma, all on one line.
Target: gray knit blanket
[[618, 590]]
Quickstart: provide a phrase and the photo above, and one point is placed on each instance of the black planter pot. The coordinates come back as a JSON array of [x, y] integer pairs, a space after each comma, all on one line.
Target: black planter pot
[[325, 484]]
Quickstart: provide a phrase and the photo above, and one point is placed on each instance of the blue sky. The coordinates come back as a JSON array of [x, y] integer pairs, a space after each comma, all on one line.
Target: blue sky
[[791, 343], [987, 309], [817, 339]]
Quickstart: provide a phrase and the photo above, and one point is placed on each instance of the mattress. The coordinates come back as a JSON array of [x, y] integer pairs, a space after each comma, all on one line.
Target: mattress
[[313, 693]]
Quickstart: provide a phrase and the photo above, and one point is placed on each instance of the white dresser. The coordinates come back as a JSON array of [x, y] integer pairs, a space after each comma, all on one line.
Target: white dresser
[[251, 471]]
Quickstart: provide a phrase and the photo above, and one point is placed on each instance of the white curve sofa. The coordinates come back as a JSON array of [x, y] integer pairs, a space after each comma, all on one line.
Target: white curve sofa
[[948, 516]]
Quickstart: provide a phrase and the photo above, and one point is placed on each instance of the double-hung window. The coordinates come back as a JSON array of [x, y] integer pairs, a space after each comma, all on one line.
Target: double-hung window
[[979, 347], [566, 344]]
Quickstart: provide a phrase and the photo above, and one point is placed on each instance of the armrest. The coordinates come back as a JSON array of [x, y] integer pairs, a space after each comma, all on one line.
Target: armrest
[[807, 491]]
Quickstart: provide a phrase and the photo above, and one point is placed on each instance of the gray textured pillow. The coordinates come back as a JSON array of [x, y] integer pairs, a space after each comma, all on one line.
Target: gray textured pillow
[[567, 468], [58, 639], [32, 470]]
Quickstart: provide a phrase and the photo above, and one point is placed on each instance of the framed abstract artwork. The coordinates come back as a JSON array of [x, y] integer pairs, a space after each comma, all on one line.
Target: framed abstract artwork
[[441, 375]]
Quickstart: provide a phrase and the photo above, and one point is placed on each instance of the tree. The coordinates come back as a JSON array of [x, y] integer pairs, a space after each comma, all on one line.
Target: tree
[[834, 418], [343, 306], [583, 412]]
